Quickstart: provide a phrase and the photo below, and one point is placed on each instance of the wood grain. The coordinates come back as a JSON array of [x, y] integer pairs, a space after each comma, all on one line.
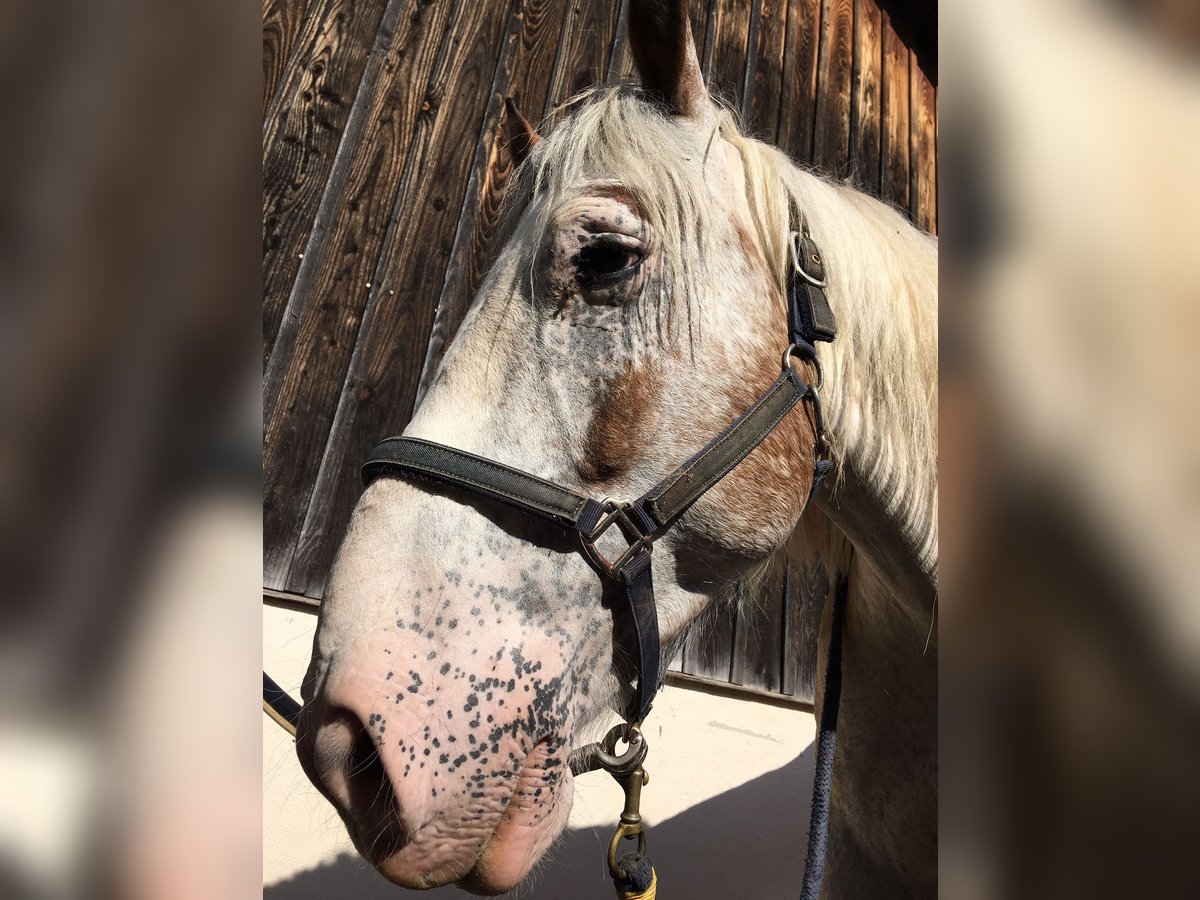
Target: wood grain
[[806, 591], [764, 100], [726, 72], [799, 101], [831, 136], [866, 169], [304, 131], [922, 148], [589, 34], [620, 61], [894, 112], [708, 650], [283, 21], [758, 635], [434, 86]]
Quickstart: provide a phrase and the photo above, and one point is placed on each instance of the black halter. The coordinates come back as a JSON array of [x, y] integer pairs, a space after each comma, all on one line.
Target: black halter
[[644, 520]]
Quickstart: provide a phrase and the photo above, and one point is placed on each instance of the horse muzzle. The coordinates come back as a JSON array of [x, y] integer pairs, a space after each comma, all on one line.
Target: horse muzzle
[[445, 784]]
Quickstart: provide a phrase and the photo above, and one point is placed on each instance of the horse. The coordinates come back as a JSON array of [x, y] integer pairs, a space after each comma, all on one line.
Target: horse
[[636, 310]]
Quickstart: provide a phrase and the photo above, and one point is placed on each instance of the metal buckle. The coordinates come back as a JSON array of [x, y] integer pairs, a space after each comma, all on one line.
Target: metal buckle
[[617, 514], [794, 244]]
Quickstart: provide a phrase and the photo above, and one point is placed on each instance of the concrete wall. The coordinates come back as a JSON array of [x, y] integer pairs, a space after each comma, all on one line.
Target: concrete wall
[[726, 806]]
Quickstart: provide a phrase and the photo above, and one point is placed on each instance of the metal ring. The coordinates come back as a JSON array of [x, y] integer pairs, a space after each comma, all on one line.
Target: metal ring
[[787, 362], [632, 758]]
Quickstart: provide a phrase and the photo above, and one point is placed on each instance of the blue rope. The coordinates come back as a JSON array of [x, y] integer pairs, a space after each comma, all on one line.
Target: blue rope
[[818, 824]]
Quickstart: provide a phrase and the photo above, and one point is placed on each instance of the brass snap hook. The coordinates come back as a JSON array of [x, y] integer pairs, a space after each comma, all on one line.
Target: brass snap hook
[[630, 824]]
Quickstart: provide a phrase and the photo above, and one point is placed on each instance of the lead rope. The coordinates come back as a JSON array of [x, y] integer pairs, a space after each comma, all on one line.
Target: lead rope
[[818, 823]]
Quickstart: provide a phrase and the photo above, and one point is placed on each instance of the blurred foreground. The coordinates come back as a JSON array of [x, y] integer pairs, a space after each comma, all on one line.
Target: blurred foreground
[[1070, 450], [129, 451], [129, 440]]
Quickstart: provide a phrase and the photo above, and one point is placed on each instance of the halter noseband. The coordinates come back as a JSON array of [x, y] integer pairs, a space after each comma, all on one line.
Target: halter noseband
[[644, 520]]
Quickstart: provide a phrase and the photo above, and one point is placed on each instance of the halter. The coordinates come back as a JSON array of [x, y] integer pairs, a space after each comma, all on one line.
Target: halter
[[646, 519], [642, 522]]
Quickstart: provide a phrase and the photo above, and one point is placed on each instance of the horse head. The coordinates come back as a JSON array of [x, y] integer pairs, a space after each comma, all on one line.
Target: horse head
[[637, 309]]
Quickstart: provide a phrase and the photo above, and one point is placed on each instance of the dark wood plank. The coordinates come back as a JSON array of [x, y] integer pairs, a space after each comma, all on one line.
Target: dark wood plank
[[765, 84], [525, 72], [437, 80], [864, 112], [620, 60], [341, 47], [798, 104], [726, 72], [805, 593], [922, 148], [758, 641], [894, 113], [708, 650], [831, 130], [916, 22], [584, 50], [378, 393], [282, 22]]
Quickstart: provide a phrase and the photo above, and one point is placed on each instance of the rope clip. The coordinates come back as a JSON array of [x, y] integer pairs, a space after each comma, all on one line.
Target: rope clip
[[630, 825]]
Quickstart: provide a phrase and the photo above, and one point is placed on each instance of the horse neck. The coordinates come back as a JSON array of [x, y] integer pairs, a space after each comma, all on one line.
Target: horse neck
[[881, 394]]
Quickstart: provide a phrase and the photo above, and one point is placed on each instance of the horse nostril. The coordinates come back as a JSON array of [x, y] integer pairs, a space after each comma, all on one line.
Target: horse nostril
[[342, 758], [366, 777]]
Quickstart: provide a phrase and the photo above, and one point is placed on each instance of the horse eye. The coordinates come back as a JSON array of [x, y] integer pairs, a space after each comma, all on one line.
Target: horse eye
[[606, 261]]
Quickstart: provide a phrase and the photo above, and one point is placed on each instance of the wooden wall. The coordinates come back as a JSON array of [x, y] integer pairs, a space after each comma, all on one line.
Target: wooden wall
[[382, 174]]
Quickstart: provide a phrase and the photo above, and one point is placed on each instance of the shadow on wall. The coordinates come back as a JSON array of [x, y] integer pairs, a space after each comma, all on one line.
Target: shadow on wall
[[747, 842]]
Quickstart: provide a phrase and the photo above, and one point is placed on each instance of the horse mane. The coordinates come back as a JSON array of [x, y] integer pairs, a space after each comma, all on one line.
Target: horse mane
[[882, 275]]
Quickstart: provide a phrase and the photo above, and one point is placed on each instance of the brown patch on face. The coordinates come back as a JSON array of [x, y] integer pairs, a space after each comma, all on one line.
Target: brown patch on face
[[622, 425]]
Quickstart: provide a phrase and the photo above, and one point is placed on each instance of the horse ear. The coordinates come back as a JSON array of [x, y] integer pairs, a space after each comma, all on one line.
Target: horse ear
[[522, 137], [660, 35]]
